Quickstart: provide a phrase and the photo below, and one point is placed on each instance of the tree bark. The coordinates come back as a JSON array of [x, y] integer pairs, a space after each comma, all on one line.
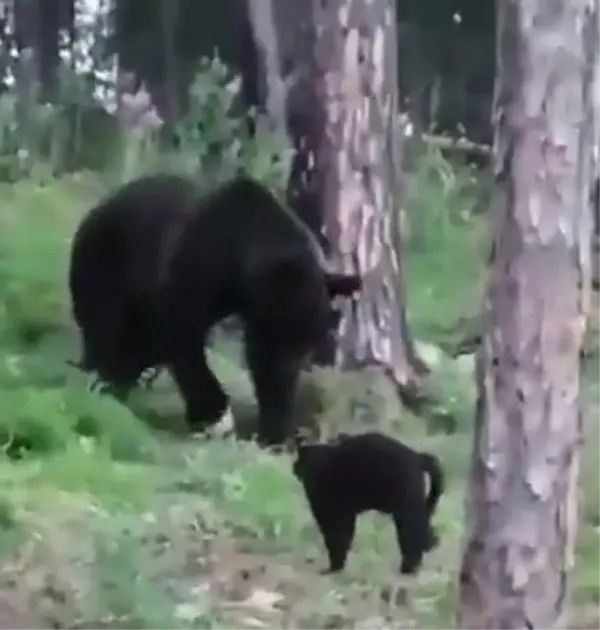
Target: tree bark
[[522, 512], [359, 164], [338, 62]]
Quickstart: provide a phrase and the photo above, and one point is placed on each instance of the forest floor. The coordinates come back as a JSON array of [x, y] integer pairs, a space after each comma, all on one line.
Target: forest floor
[[116, 520]]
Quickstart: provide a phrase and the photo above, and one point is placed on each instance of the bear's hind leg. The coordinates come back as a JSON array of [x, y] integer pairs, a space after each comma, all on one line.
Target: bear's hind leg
[[206, 404], [275, 378]]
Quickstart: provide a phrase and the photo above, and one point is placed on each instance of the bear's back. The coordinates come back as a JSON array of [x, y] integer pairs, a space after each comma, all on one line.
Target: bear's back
[[244, 218], [124, 237], [238, 235]]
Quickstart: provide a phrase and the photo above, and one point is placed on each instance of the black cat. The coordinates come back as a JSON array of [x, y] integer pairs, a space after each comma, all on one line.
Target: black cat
[[371, 472]]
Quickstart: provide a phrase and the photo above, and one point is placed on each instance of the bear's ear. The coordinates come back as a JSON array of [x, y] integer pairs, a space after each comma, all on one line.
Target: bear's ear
[[343, 284]]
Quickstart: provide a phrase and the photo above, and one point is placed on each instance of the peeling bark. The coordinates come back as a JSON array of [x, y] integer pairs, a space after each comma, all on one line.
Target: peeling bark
[[337, 61], [522, 513], [356, 61]]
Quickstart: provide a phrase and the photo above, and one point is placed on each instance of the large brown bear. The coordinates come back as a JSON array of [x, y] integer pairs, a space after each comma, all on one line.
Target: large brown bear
[[156, 264]]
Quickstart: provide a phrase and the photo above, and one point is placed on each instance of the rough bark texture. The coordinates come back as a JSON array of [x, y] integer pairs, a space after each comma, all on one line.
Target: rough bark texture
[[337, 63], [523, 491], [356, 61]]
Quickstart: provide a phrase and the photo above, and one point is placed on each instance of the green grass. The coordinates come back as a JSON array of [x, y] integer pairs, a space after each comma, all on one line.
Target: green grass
[[105, 522], [444, 258]]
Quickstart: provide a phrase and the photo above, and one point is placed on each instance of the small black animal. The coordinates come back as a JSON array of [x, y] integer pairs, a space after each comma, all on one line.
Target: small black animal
[[365, 472]]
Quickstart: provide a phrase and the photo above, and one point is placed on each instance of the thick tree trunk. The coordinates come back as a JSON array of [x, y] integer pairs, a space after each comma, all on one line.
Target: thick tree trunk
[[359, 165], [523, 491], [338, 61]]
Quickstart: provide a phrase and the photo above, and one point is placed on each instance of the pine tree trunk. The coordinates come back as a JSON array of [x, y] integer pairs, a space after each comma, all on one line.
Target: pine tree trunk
[[359, 165], [338, 63], [528, 434]]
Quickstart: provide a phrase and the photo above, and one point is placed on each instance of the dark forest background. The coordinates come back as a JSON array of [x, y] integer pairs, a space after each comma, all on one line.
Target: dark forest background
[[446, 52]]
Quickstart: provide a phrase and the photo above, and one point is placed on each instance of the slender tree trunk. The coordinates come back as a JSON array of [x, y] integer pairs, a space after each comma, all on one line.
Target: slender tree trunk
[[27, 36], [50, 18], [169, 20], [27, 23], [528, 434], [279, 81]]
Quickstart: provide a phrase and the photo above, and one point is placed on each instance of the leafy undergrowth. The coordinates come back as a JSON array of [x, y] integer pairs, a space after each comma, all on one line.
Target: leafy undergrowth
[[106, 522]]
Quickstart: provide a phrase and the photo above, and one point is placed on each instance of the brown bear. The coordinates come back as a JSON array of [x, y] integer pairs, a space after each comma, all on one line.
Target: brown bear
[[158, 263]]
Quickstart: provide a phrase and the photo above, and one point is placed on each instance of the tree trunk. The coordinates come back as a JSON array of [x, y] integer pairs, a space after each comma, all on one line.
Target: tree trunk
[[51, 14], [27, 75], [337, 61], [279, 81], [169, 19], [528, 433], [37, 23], [359, 163]]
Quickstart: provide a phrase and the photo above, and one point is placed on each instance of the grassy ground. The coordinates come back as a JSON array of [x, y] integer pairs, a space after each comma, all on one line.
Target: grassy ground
[[110, 524]]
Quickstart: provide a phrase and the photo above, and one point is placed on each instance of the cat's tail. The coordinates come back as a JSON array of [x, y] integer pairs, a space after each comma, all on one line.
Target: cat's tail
[[432, 466]]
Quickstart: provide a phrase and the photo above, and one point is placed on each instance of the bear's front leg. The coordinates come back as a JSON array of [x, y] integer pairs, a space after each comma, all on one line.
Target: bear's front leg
[[275, 376], [206, 404]]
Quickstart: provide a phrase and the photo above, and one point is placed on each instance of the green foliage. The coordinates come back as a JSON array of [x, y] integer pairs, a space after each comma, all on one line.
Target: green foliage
[[48, 420], [213, 139], [33, 261], [444, 259]]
